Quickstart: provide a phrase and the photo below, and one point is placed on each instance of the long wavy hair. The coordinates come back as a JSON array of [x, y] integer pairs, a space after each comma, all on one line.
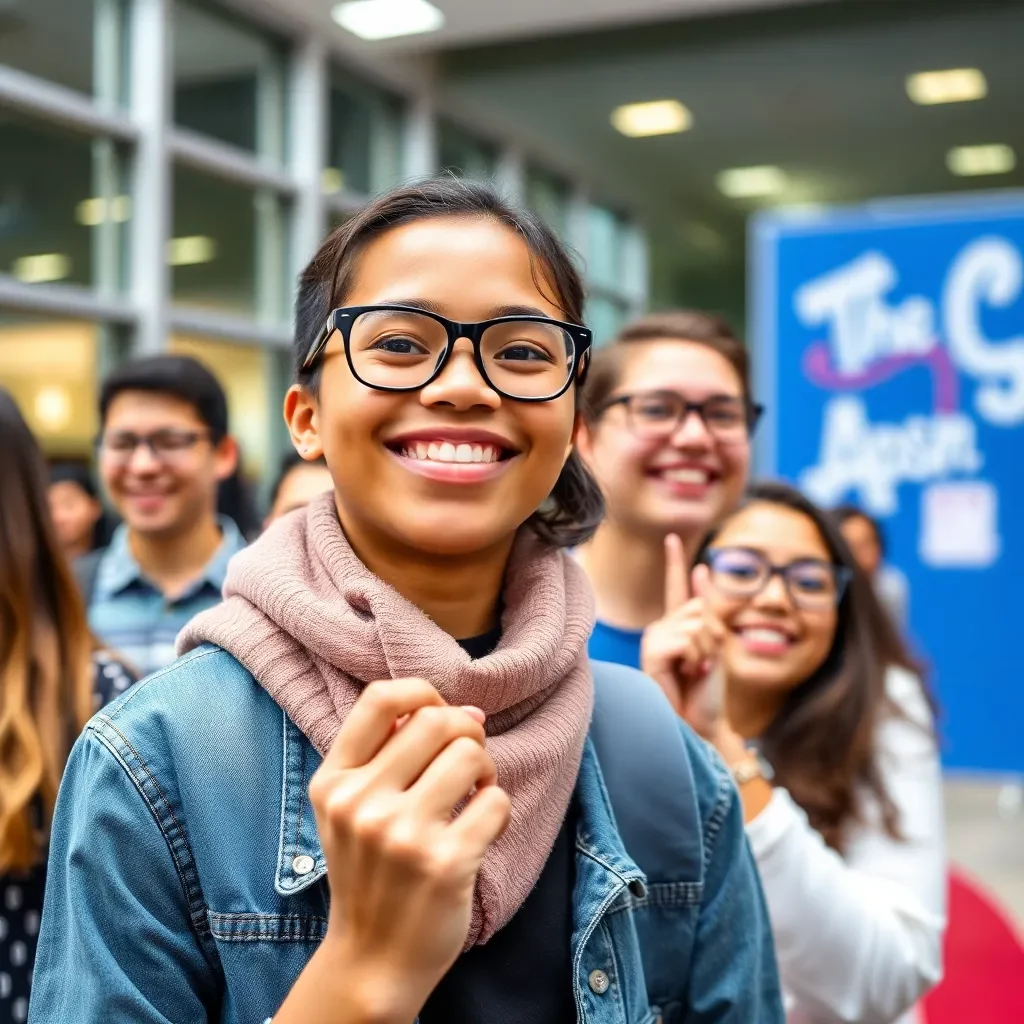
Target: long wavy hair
[[45, 649], [821, 744]]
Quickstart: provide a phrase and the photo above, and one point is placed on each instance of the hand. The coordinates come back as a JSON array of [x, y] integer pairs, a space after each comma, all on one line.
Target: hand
[[402, 868], [681, 651]]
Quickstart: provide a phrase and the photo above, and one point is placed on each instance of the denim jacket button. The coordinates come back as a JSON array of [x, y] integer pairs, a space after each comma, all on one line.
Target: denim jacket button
[[303, 864], [598, 982]]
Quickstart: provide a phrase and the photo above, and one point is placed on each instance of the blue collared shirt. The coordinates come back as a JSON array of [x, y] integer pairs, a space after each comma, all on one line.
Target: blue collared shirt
[[133, 616]]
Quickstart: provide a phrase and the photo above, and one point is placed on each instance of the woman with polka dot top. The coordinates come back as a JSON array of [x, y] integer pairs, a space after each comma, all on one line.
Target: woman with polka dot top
[[53, 675]]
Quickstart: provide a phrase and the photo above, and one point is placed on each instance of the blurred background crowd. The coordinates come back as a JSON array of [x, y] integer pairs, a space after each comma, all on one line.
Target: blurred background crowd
[[168, 166]]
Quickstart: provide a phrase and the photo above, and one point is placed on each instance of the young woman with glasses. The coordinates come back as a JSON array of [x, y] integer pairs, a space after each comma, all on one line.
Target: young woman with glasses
[[377, 788], [53, 675], [666, 433], [829, 734]]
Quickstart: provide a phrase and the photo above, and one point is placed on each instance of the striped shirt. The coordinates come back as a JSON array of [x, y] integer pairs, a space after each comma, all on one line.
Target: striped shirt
[[133, 617]]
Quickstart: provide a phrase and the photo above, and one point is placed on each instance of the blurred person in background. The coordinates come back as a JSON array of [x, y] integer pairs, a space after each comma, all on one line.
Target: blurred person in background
[[666, 433], [164, 451], [866, 539], [75, 508], [438, 351], [298, 482], [829, 733], [53, 675]]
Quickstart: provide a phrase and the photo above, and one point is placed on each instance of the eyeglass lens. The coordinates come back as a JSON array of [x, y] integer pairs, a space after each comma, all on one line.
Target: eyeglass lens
[[522, 359], [811, 584], [162, 444], [659, 414]]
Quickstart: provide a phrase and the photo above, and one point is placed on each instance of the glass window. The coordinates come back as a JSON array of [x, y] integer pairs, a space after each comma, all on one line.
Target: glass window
[[229, 80], [75, 43], [605, 316], [49, 365], [464, 154], [364, 145], [548, 196], [229, 247], [605, 247], [63, 206], [245, 373]]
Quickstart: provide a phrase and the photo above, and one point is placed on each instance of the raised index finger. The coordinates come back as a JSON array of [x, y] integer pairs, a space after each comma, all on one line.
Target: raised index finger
[[372, 720], [677, 574]]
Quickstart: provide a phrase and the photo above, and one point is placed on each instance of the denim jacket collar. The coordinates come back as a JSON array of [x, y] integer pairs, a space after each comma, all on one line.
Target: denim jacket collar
[[301, 861]]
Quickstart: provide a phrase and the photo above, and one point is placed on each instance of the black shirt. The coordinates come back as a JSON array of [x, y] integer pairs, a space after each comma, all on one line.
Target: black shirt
[[524, 974]]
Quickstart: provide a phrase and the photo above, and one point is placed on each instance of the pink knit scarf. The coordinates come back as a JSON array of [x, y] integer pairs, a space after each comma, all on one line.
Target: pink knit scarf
[[314, 625]]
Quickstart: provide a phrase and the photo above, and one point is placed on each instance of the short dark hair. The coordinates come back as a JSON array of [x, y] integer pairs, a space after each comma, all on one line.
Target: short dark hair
[[575, 508], [181, 376], [844, 513], [289, 461], [691, 325]]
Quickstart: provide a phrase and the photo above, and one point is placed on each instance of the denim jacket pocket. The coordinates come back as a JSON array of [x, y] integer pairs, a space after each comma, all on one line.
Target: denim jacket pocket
[[243, 927]]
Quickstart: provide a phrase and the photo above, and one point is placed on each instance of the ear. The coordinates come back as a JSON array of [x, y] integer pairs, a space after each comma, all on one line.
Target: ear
[[226, 457], [301, 416], [583, 438]]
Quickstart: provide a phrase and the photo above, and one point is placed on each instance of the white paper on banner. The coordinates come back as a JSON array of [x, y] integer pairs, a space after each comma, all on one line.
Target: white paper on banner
[[959, 525]]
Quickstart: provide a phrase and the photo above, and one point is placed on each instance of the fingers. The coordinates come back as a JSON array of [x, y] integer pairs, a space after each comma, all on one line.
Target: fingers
[[412, 749], [484, 819], [701, 581], [462, 766], [372, 721], [677, 584]]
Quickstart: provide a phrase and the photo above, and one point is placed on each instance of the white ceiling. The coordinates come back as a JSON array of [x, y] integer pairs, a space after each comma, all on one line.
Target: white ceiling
[[470, 22]]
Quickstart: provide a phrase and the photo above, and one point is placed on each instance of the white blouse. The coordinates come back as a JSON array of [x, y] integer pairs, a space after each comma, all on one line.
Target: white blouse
[[859, 936]]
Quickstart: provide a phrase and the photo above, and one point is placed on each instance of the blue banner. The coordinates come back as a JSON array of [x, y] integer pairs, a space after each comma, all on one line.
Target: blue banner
[[888, 345]]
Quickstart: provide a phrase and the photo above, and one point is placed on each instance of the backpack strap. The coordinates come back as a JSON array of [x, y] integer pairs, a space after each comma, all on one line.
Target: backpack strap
[[86, 569], [645, 762]]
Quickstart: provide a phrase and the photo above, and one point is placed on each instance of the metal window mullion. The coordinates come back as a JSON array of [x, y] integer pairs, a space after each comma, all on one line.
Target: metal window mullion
[[227, 163], [150, 85], [228, 328], [307, 124], [64, 300], [510, 174], [54, 103], [420, 151]]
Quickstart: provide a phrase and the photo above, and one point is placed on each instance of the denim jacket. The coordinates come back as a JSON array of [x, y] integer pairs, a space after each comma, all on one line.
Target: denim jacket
[[187, 882]]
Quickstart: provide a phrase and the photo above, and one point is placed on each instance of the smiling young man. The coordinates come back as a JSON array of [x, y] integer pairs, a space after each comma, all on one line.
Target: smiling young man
[[163, 451]]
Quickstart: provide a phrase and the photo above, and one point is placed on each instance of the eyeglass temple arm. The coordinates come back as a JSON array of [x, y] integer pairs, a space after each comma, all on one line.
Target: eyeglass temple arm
[[319, 342]]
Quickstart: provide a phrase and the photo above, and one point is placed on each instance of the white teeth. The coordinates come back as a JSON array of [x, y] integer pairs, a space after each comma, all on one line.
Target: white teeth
[[444, 451], [766, 636], [686, 476]]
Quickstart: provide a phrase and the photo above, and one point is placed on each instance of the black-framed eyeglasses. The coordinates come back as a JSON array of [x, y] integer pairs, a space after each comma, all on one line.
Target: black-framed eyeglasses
[[812, 584], [164, 445], [402, 348], [659, 414]]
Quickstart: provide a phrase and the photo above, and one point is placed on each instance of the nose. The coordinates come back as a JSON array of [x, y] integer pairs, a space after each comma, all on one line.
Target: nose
[[692, 432], [774, 594], [460, 385], [142, 460]]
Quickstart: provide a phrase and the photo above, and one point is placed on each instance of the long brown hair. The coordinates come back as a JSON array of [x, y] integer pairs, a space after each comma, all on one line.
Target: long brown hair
[[45, 648], [821, 744]]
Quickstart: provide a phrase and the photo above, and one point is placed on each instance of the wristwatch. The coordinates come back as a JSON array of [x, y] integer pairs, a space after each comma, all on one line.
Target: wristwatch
[[753, 766]]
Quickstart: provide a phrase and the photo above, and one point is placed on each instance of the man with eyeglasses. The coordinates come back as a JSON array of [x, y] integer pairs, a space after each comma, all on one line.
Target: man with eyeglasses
[[163, 451]]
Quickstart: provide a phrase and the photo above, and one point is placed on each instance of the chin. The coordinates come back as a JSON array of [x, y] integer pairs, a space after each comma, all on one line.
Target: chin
[[446, 536]]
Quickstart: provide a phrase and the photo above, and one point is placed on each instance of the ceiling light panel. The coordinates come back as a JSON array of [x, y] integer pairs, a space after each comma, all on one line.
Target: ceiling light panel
[[387, 19], [752, 182], [658, 117], [973, 161], [956, 85], [41, 268]]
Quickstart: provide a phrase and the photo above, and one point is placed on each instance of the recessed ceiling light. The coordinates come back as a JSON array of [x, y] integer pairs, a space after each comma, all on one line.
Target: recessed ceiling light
[[659, 117], [971, 161], [387, 19], [46, 266], [95, 211], [189, 250], [751, 182], [957, 85]]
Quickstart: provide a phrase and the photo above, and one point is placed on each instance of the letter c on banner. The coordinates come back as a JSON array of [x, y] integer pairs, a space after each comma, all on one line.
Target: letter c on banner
[[989, 270]]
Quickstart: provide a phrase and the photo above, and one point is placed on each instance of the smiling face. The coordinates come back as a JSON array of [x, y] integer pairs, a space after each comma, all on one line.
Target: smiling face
[[681, 483], [454, 468], [772, 642]]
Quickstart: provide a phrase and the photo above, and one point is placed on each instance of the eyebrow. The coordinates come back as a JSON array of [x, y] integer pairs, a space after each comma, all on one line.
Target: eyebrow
[[429, 306]]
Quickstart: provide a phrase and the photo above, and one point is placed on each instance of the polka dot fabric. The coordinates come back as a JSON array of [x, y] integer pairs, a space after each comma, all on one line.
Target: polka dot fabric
[[21, 895]]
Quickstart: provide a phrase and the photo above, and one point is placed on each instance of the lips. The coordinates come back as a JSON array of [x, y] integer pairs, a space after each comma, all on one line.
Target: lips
[[769, 641]]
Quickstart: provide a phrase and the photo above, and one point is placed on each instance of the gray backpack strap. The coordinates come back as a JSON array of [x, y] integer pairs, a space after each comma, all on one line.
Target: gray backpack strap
[[86, 569], [646, 767]]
